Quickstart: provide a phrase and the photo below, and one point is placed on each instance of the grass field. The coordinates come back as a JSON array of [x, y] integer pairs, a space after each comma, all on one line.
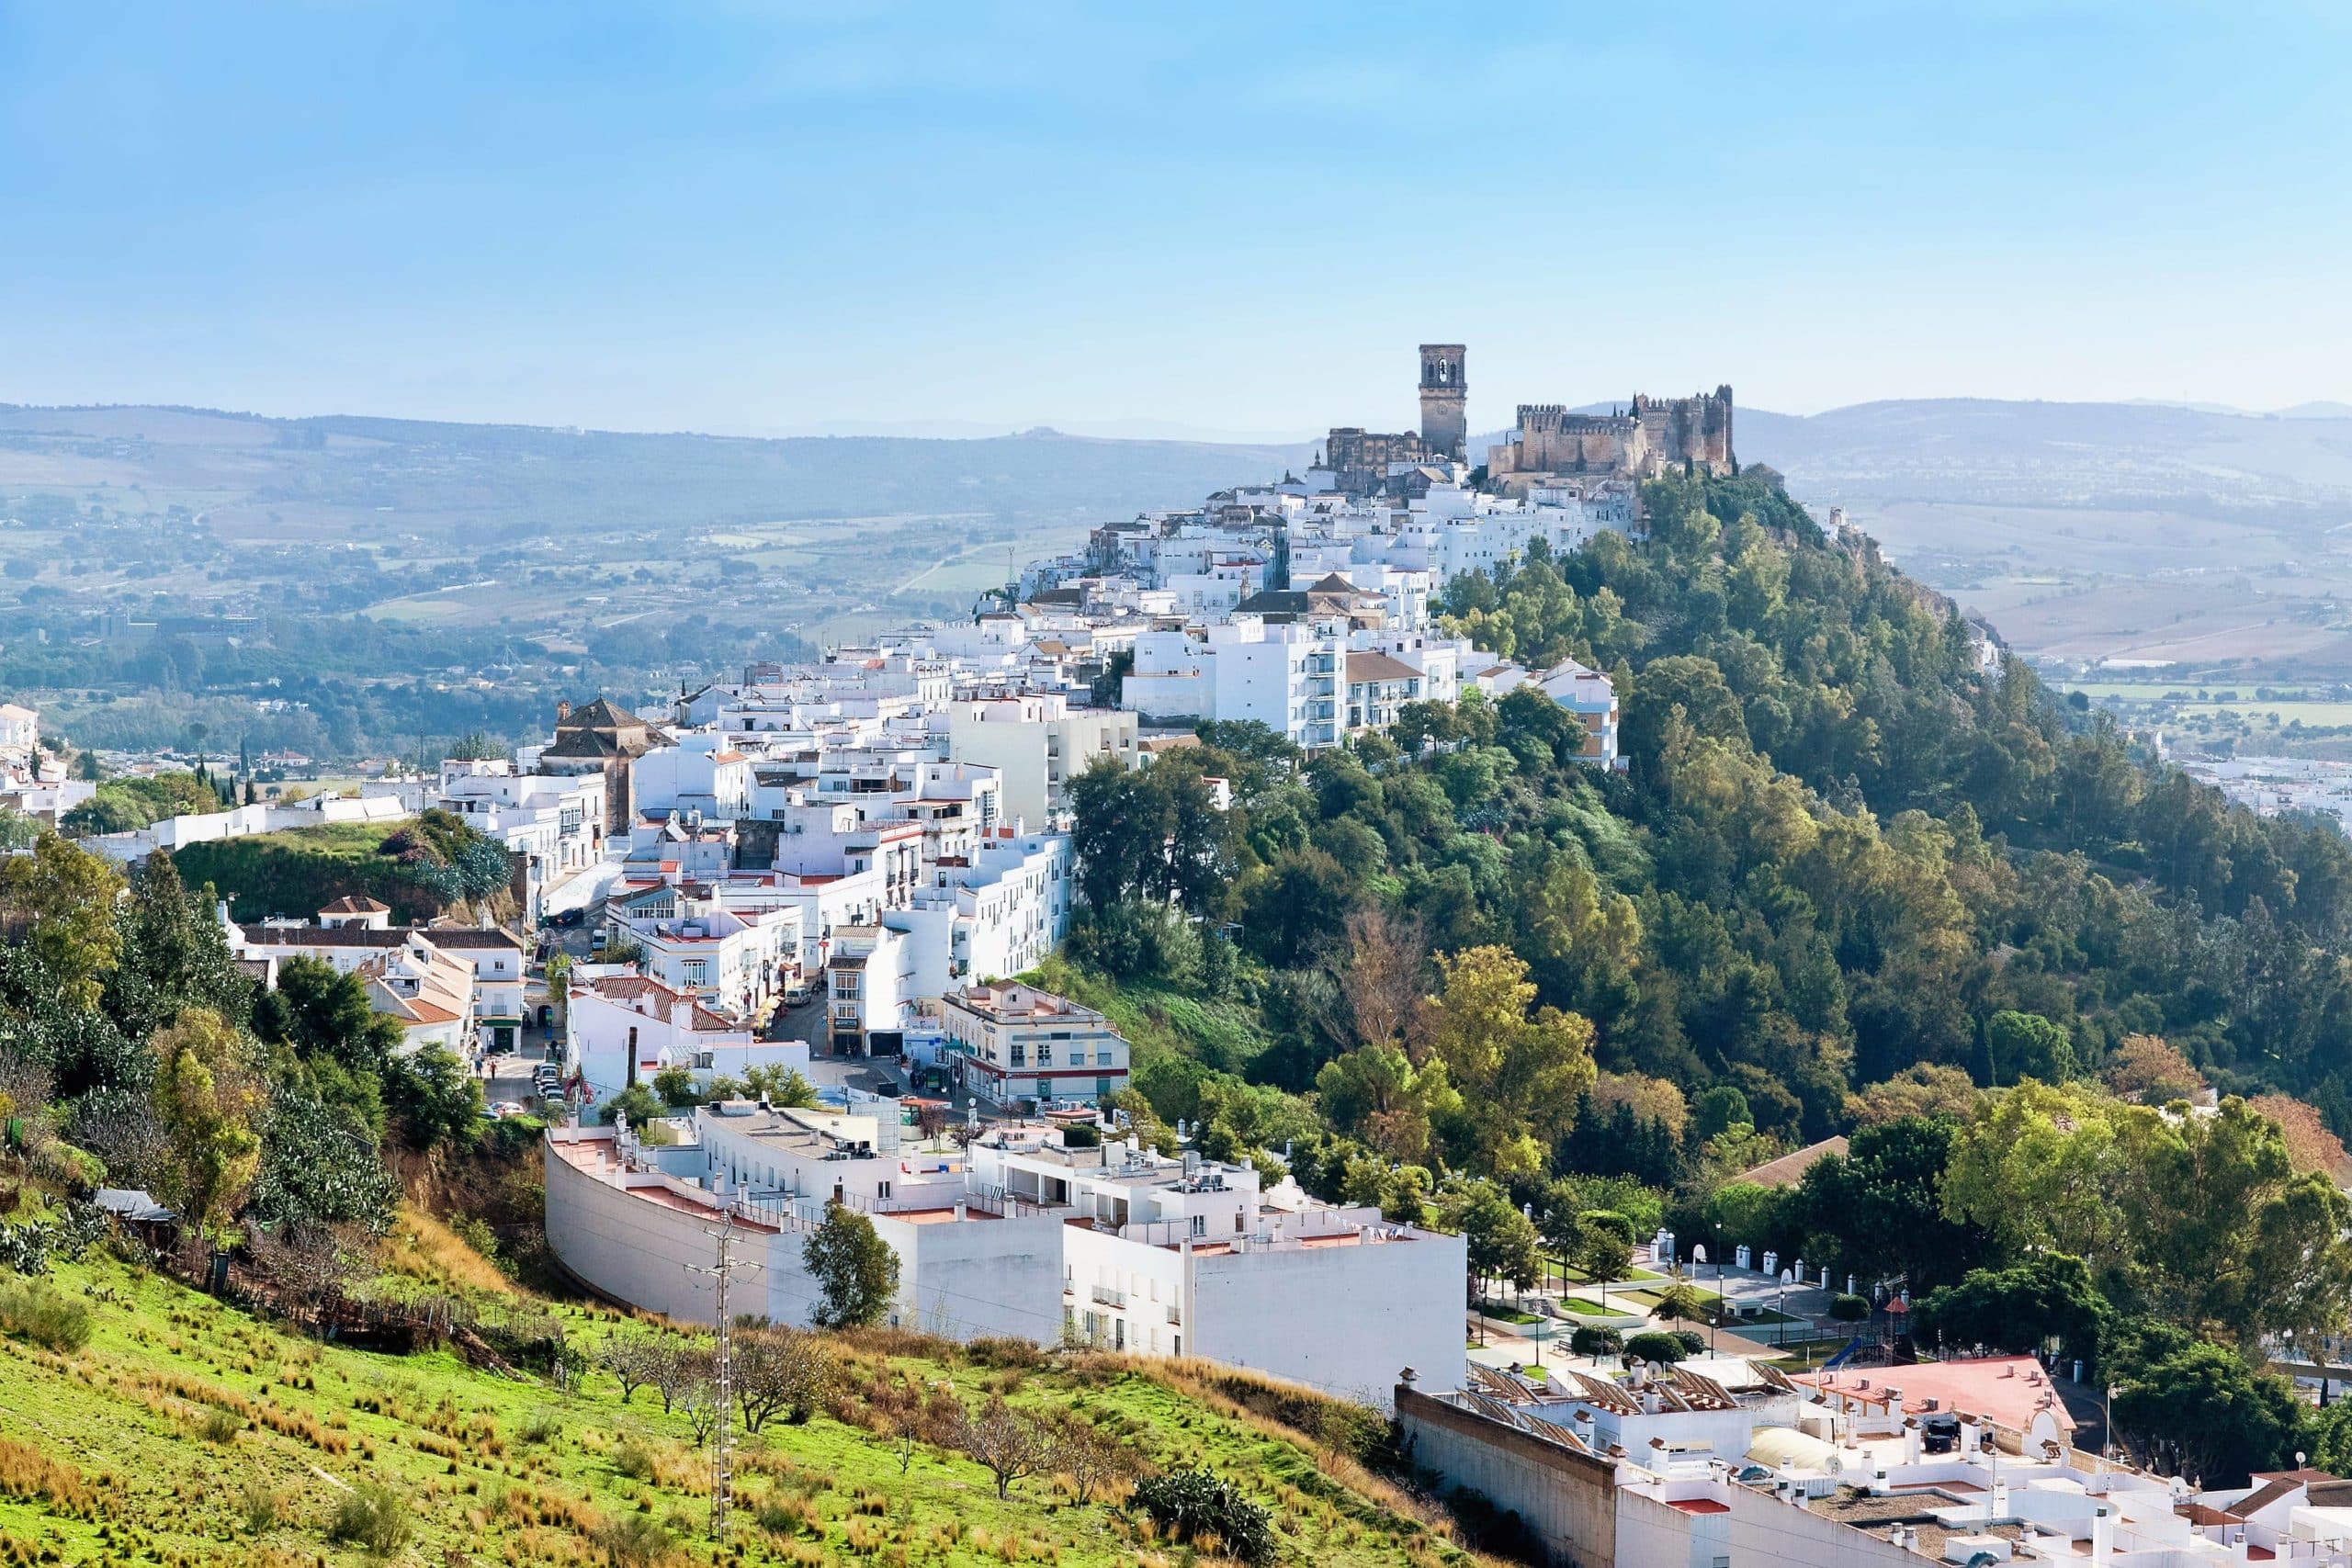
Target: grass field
[[189, 1432]]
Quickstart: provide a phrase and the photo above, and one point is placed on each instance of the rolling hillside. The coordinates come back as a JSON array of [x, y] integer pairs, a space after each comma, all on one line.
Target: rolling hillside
[[189, 1432]]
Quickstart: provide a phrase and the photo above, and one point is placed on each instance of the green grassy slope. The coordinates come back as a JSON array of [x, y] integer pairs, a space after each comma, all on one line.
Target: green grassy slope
[[189, 1432]]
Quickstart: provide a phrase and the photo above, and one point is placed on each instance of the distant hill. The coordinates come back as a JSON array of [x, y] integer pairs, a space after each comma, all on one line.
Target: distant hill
[[434, 475]]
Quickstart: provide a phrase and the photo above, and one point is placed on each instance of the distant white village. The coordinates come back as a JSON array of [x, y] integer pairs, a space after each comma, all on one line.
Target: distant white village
[[886, 832]]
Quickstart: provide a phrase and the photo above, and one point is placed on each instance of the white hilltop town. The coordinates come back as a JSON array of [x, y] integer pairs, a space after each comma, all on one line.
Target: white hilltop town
[[840, 868]]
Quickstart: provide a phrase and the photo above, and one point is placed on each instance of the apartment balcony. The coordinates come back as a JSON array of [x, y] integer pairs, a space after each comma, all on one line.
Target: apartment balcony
[[1105, 1296]]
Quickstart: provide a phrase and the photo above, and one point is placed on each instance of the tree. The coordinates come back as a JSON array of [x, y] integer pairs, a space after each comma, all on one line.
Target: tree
[[634, 1105], [1009, 1443], [856, 1270], [1924, 1088], [320, 1166], [780, 1086], [2310, 1147], [2027, 1045], [1590, 1341], [58, 901], [781, 1371], [1381, 981], [1655, 1345], [1376, 1093], [1682, 1303], [208, 1097], [2222, 1234], [1720, 1109], [1501, 1239], [1519, 1072], [2018, 1309], [1877, 1210], [632, 1357], [2147, 1070], [321, 1011], [2036, 1169], [675, 1086], [174, 955], [1604, 1256], [2201, 1411], [678, 1371]]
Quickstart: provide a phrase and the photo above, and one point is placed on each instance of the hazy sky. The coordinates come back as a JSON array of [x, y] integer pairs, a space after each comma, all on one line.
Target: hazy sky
[[754, 217]]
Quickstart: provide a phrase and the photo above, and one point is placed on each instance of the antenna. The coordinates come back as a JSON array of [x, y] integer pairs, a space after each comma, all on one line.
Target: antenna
[[723, 1371]]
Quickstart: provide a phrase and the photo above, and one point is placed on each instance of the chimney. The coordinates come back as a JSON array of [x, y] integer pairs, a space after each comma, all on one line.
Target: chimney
[[562, 710], [1910, 1439], [2102, 1535]]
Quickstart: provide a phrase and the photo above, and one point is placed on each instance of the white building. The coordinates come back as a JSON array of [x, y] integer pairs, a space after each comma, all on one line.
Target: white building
[[1037, 743], [702, 773], [474, 974], [1282, 674], [19, 732], [1592, 697], [1726, 1460], [556, 821], [1024, 1235], [1015, 1045], [623, 1029], [736, 960], [996, 911], [871, 990]]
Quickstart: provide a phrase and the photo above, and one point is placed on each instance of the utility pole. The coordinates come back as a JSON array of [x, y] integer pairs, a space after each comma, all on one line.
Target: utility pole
[[723, 1371]]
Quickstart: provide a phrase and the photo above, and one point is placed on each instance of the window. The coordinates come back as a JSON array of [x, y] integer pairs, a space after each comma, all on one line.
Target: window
[[697, 971], [1020, 1055], [882, 1190], [1200, 1224], [1102, 1056], [1044, 1055]]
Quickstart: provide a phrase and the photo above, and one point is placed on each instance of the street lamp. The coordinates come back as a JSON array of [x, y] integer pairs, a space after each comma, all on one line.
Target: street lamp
[[2107, 1424]]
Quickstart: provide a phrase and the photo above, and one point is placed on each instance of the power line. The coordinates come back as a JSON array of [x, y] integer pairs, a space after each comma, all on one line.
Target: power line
[[723, 1373]]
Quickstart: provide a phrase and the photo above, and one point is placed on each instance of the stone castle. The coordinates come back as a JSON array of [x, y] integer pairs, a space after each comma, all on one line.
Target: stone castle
[[1658, 434], [1552, 445]]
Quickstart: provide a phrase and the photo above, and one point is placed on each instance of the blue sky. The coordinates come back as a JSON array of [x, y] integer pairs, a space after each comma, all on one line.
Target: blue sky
[[763, 218]]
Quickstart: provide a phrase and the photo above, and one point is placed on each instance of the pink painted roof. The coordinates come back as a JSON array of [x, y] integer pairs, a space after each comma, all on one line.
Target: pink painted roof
[[2011, 1390]]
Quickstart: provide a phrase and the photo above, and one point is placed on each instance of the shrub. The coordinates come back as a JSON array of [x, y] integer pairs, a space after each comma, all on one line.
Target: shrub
[[783, 1513], [219, 1426], [1849, 1309], [1594, 1341], [634, 1458], [41, 1313], [263, 1505], [1192, 1505], [542, 1426], [1655, 1345], [1005, 1352], [372, 1516], [632, 1541]]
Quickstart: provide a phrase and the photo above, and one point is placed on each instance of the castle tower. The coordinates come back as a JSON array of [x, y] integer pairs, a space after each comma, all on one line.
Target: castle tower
[[1444, 419]]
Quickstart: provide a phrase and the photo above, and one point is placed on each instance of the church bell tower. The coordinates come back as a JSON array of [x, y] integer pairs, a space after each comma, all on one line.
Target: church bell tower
[[1444, 419]]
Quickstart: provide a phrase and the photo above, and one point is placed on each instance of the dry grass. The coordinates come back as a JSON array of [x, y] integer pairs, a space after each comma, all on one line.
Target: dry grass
[[27, 1473], [421, 1247]]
